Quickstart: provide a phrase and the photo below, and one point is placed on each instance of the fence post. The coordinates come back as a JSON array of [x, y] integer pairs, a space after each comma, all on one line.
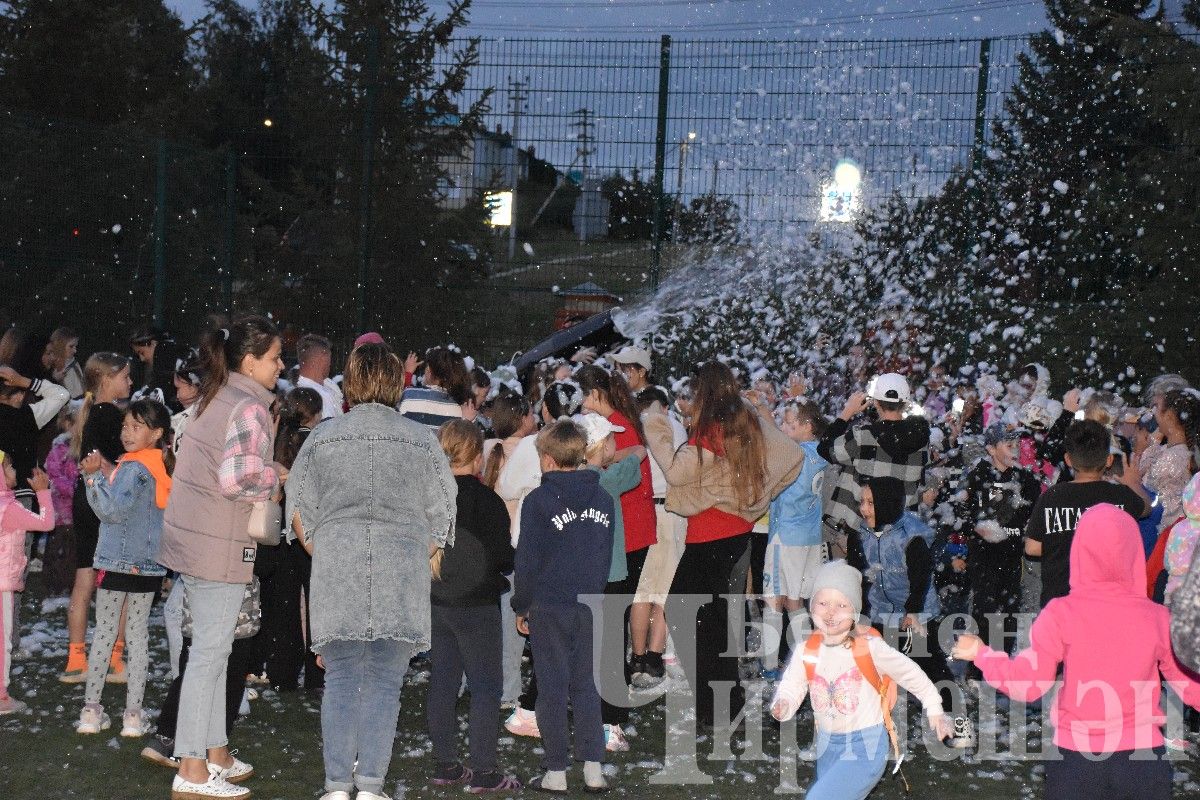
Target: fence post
[[231, 167], [368, 165], [981, 95], [160, 235], [660, 156], [977, 146]]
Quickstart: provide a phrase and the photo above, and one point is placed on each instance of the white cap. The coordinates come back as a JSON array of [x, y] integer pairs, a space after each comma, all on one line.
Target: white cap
[[595, 426], [632, 355], [890, 387]]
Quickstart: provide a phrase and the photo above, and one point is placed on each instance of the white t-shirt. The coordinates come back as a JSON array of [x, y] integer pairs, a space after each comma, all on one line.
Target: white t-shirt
[[331, 395]]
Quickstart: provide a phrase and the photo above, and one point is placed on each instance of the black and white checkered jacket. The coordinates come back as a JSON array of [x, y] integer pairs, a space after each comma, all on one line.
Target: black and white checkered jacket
[[881, 449]]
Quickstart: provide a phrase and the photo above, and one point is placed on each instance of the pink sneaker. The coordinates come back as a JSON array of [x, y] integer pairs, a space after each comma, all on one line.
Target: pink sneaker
[[523, 723]]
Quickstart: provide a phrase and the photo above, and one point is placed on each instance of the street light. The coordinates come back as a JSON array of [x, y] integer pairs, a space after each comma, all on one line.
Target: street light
[[841, 198]]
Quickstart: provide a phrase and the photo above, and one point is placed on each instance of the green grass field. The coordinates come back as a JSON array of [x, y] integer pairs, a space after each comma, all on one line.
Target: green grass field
[[41, 757]]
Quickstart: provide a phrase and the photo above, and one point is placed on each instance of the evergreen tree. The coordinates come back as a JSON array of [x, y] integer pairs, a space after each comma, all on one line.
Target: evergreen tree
[[124, 61]]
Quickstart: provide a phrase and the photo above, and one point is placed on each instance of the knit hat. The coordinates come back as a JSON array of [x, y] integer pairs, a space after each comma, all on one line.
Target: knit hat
[[842, 577]]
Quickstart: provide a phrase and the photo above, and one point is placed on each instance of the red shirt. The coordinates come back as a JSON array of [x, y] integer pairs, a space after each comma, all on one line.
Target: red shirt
[[713, 524], [637, 505]]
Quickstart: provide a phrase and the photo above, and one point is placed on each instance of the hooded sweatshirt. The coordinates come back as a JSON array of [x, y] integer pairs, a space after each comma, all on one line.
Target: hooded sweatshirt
[[566, 541], [1110, 698], [898, 562]]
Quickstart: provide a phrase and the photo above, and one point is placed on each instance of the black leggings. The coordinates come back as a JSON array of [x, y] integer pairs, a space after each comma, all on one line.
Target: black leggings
[[710, 569], [613, 648], [241, 660]]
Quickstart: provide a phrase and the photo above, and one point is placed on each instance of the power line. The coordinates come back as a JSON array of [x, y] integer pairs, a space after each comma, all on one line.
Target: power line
[[892, 16]]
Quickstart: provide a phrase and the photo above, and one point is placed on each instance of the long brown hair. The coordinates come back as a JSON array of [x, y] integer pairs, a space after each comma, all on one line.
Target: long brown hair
[[224, 349], [449, 372], [95, 370], [58, 346], [508, 414], [719, 411], [615, 392]]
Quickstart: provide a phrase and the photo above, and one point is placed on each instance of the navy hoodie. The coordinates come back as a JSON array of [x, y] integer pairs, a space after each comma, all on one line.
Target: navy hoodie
[[566, 541]]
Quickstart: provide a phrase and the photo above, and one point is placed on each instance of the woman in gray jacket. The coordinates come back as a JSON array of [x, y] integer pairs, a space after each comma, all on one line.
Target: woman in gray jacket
[[371, 497]]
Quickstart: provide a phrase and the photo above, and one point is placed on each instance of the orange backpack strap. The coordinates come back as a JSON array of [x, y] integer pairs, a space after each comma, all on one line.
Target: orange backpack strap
[[812, 647], [885, 687]]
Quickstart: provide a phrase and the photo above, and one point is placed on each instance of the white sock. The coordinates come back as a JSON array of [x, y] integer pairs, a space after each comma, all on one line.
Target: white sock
[[592, 774], [556, 779], [772, 628]]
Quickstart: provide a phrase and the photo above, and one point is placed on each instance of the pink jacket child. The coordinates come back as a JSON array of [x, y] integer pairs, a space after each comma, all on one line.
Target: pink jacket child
[[63, 470], [1181, 543], [15, 520], [1115, 647]]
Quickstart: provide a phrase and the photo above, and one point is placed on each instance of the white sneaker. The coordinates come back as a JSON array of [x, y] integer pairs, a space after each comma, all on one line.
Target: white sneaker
[[92, 720], [338, 795], [35, 565], [244, 708], [614, 739], [213, 787], [369, 796], [134, 724], [236, 772], [964, 734]]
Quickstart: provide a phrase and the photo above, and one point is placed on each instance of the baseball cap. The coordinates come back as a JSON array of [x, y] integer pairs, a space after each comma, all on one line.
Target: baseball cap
[[890, 387], [595, 426], [633, 355], [370, 337], [998, 432]]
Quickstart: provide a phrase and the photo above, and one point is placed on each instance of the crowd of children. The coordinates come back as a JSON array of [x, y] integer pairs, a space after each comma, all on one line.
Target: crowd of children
[[918, 514]]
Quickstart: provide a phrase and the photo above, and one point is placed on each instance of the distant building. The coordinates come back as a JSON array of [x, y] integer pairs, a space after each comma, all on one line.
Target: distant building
[[485, 163], [590, 219]]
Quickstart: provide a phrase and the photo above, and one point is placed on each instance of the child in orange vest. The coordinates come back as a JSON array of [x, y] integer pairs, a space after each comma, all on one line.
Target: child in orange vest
[[129, 501], [851, 674]]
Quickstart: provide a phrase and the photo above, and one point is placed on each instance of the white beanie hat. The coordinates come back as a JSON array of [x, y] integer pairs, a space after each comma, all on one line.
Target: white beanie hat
[[842, 577]]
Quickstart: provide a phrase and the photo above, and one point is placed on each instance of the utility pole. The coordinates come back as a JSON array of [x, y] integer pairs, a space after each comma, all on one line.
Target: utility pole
[[517, 95], [683, 153], [582, 153], [712, 200]]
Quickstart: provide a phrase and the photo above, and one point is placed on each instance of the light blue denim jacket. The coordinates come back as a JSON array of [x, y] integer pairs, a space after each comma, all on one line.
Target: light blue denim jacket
[[373, 490], [130, 521]]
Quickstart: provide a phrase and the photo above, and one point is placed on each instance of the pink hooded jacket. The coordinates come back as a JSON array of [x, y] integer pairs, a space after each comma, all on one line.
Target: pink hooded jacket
[[1112, 641]]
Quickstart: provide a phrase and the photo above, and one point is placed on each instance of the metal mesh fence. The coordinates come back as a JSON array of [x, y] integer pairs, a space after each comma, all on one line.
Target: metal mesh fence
[[629, 156]]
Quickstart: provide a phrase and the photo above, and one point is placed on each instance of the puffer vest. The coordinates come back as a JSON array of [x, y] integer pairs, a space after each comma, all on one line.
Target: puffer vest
[[204, 532]]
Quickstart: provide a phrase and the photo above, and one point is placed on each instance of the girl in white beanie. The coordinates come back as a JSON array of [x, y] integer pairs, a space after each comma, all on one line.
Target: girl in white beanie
[[846, 668]]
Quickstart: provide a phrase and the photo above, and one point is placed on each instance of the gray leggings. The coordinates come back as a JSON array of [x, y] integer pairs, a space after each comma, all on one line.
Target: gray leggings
[[137, 644]]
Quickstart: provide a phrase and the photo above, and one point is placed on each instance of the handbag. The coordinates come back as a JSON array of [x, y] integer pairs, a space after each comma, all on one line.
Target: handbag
[[266, 523]]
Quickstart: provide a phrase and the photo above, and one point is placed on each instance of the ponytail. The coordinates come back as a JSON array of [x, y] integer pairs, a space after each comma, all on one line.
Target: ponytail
[[615, 392], [491, 469], [95, 370], [223, 350]]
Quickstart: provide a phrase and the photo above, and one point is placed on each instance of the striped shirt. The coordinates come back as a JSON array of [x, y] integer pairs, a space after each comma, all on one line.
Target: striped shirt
[[429, 406]]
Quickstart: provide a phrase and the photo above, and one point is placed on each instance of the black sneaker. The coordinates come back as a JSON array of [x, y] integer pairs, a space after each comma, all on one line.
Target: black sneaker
[[652, 671], [161, 751], [637, 669]]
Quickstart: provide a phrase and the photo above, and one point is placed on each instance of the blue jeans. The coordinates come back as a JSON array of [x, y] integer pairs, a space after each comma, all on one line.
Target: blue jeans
[[360, 710], [849, 764], [214, 608]]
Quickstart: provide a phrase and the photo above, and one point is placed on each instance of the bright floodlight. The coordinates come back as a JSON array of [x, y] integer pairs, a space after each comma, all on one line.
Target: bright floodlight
[[691, 135], [847, 175]]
